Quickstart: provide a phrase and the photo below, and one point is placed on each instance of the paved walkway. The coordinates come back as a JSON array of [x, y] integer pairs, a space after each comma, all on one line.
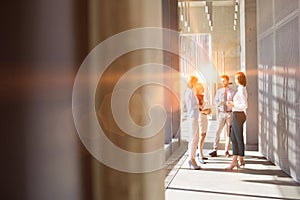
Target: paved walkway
[[260, 179]]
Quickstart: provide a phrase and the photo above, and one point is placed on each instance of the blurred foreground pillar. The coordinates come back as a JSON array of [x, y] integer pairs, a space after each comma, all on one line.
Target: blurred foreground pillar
[[43, 46], [108, 20]]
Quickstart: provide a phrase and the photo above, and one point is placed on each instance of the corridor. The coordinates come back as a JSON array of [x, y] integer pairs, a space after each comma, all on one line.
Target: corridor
[[90, 97]]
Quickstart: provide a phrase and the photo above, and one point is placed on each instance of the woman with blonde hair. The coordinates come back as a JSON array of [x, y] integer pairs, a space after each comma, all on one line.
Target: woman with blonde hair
[[192, 106], [239, 106], [203, 122]]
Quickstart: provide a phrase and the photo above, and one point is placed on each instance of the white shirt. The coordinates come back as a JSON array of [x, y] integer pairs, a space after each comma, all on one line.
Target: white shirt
[[219, 98], [240, 99], [192, 103]]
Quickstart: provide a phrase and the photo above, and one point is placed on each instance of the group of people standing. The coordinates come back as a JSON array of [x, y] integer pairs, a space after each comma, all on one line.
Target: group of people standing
[[231, 106]]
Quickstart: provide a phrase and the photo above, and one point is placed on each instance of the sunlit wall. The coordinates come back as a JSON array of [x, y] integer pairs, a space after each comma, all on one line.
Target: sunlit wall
[[278, 79]]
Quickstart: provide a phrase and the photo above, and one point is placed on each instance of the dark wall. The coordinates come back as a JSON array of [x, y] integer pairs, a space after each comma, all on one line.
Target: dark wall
[[42, 46]]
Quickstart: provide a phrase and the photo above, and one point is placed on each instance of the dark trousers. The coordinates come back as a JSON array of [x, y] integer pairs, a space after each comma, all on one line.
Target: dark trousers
[[236, 134]]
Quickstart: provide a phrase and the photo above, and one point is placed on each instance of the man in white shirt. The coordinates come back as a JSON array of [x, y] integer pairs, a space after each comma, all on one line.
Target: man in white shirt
[[224, 114]]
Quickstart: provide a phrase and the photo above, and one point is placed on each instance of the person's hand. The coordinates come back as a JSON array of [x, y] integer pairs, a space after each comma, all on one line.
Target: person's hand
[[208, 111], [230, 103]]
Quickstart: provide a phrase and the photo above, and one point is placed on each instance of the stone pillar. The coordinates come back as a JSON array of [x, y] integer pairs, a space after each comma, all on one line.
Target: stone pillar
[[108, 19], [249, 66], [42, 46]]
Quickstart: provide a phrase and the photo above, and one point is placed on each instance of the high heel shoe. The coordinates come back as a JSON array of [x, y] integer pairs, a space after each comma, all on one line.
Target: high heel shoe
[[195, 167], [242, 163], [232, 166]]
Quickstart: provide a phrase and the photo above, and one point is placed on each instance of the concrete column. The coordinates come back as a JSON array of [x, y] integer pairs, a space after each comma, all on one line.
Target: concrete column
[[107, 19], [249, 66], [42, 46]]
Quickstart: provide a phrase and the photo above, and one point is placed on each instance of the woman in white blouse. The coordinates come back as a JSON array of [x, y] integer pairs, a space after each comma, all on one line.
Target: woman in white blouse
[[239, 106], [192, 106]]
